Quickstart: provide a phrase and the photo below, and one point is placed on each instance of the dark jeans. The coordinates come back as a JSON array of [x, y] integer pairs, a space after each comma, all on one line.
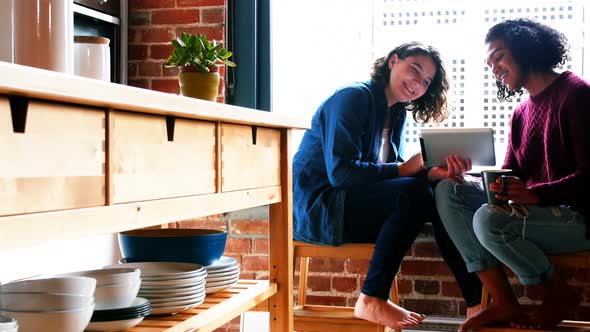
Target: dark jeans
[[391, 214]]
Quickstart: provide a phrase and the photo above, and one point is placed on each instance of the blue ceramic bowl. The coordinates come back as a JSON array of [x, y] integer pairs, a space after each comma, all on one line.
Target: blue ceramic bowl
[[188, 245]]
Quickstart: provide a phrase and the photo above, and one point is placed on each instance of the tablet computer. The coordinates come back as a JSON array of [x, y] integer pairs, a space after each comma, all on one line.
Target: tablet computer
[[476, 144]]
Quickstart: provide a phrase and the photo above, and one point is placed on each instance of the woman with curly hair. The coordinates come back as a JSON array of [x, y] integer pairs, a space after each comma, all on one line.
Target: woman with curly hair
[[351, 184], [549, 155]]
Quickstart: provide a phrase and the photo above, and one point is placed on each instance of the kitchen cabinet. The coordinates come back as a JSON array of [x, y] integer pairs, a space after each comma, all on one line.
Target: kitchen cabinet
[[113, 158]]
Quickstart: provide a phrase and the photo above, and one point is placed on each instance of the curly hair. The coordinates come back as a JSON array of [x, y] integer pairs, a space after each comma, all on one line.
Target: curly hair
[[433, 104], [535, 47]]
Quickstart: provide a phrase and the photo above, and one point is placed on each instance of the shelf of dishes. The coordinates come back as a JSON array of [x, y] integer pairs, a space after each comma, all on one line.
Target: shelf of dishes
[[115, 298], [219, 308]]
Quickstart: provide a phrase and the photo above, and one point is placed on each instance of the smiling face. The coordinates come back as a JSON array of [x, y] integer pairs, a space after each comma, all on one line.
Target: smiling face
[[409, 78], [505, 69]]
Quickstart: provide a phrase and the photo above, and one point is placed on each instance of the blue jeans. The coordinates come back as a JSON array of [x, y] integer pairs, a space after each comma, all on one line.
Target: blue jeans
[[488, 237], [391, 214]]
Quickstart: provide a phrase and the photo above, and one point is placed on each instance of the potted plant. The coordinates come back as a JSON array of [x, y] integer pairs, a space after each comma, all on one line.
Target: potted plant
[[198, 60]]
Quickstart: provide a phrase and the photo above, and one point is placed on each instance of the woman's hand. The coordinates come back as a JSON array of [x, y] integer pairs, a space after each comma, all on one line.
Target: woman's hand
[[515, 190], [454, 169], [411, 166]]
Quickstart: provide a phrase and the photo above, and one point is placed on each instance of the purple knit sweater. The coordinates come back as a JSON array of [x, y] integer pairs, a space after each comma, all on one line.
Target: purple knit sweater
[[549, 145]]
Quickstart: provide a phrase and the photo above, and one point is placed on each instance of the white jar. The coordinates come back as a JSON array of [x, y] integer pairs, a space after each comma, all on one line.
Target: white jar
[[43, 34], [92, 57]]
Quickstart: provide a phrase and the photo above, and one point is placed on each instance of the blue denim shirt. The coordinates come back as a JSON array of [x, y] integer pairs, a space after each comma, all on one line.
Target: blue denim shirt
[[340, 151]]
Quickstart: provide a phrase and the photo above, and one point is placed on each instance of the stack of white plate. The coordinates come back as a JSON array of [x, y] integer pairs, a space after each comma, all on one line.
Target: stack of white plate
[[222, 274], [170, 287]]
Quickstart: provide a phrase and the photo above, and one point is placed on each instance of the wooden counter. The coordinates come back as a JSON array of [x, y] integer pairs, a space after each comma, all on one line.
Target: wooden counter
[[82, 157]]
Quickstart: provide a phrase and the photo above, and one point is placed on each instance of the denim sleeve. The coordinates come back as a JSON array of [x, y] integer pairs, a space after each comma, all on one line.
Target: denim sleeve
[[345, 124]]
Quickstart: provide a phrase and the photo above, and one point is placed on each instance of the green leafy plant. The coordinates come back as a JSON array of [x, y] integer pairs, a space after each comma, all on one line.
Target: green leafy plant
[[195, 52]]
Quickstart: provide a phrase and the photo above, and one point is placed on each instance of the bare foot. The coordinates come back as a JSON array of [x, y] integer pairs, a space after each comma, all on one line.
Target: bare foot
[[385, 313], [471, 311], [493, 314], [553, 311]]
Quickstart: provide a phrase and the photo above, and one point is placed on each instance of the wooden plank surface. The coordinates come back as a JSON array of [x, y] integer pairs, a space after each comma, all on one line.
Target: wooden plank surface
[[79, 223], [218, 309], [17, 80], [281, 245], [56, 163], [144, 164], [245, 164]]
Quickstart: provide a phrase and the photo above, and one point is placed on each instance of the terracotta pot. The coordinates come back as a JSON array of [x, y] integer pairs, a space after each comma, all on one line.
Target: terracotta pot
[[199, 85]]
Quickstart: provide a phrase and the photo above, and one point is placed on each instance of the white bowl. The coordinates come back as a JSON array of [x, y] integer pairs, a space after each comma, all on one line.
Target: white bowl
[[62, 321], [8, 324], [37, 302], [116, 325], [108, 276], [116, 296], [62, 285]]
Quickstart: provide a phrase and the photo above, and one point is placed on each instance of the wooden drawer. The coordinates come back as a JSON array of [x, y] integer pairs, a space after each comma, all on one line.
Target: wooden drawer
[[145, 163], [250, 158], [56, 163]]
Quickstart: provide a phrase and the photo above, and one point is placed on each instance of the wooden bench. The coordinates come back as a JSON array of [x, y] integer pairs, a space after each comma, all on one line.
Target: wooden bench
[[322, 318], [574, 260]]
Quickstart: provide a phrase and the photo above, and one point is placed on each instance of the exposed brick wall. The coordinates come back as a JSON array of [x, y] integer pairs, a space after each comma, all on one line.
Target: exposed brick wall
[[154, 23]]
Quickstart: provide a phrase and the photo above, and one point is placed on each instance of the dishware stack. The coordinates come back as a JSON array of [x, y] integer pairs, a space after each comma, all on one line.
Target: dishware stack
[[54, 304], [120, 319], [115, 288], [8, 324], [170, 287], [222, 274]]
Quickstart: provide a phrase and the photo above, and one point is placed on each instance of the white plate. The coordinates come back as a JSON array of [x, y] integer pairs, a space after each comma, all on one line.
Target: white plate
[[178, 303], [173, 310], [161, 269], [115, 325], [178, 290], [221, 283], [218, 288], [194, 281], [222, 277], [221, 263], [231, 269], [199, 273], [178, 298], [156, 296]]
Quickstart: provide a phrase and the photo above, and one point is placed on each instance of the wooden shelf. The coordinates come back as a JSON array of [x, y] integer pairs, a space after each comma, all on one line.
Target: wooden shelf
[[250, 166], [218, 309], [76, 223]]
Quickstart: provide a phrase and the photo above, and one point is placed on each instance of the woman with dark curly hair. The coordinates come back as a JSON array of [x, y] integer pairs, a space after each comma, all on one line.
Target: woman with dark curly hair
[[549, 155], [351, 185]]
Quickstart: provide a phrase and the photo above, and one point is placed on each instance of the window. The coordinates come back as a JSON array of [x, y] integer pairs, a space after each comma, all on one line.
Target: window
[[318, 46]]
